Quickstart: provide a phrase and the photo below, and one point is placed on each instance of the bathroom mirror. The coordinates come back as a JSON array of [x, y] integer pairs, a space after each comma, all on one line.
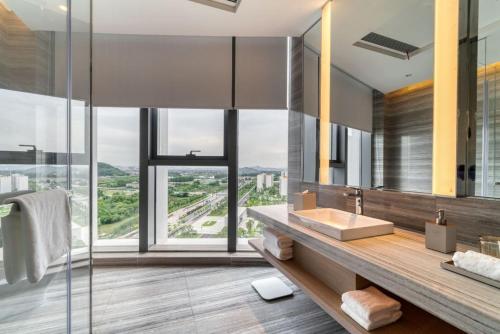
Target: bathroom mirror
[[381, 96], [487, 178]]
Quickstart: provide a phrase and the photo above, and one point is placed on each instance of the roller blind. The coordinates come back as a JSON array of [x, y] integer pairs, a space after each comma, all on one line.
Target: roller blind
[[162, 71], [311, 83], [261, 73], [351, 101]]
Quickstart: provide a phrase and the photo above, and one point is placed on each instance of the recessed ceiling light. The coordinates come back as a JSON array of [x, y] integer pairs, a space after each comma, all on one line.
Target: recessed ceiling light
[[63, 8]]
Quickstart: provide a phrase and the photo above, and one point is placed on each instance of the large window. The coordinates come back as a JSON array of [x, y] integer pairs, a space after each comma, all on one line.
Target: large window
[[202, 170], [118, 176], [191, 193], [263, 160]]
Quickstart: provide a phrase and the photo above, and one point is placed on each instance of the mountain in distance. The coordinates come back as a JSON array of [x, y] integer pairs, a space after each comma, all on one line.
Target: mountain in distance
[[104, 169], [254, 170], [39, 171]]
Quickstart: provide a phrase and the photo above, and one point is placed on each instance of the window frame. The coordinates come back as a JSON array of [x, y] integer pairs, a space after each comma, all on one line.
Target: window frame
[[150, 159], [182, 160]]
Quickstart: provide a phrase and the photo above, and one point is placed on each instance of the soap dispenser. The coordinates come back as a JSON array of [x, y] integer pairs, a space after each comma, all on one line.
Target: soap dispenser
[[440, 236]]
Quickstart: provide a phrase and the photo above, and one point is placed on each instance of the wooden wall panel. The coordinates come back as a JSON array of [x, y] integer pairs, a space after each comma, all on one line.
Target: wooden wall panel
[[403, 139], [473, 217]]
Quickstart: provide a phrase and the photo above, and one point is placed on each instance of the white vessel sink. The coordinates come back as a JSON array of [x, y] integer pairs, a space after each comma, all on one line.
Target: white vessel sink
[[341, 225]]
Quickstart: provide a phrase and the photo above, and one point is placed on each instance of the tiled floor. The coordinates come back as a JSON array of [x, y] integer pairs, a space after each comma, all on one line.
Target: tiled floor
[[198, 300], [160, 299]]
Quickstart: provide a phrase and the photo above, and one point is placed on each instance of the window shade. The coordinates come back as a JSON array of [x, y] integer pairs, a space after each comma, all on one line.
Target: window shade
[[261, 73], [351, 101], [162, 71]]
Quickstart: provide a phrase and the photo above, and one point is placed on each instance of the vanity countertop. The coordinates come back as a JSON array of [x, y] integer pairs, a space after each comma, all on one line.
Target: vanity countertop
[[401, 264]]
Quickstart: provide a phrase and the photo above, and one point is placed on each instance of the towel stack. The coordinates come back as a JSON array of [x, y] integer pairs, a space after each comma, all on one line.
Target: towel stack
[[478, 263], [279, 245], [370, 308]]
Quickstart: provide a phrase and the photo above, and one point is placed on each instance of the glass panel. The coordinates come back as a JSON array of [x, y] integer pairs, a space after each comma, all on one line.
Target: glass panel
[[80, 176], [33, 148], [487, 182], [263, 161], [191, 132], [118, 176], [191, 207]]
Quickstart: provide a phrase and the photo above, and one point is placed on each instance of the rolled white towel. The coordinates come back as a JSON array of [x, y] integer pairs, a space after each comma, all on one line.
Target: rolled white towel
[[478, 263], [370, 325], [279, 253], [278, 239], [370, 303]]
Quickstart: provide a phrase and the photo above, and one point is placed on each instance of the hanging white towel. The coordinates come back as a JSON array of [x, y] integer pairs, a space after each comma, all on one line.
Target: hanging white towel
[[37, 235], [370, 303], [370, 325], [279, 253], [276, 238], [478, 263]]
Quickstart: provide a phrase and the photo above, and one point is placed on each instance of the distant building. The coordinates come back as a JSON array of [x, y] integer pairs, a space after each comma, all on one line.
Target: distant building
[[133, 185], [283, 184], [269, 180], [264, 181], [5, 184], [19, 182], [260, 181]]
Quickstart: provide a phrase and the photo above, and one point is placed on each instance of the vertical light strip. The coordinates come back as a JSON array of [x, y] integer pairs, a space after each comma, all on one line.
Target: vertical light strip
[[324, 113], [444, 152]]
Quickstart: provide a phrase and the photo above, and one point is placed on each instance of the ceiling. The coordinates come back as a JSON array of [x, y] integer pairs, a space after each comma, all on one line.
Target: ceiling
[[186, 18], [174, 17]]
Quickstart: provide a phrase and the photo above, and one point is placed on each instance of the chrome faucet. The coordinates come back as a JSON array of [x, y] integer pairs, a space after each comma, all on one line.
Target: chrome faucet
[[358, 194]]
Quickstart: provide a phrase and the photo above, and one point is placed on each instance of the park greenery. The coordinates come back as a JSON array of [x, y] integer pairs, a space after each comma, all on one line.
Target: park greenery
[[118, 202]]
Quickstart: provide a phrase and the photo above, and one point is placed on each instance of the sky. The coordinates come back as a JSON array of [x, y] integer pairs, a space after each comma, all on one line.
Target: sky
[[263, 135]]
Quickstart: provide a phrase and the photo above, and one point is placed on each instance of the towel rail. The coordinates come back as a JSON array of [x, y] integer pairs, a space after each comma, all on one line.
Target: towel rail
[[5, 209]]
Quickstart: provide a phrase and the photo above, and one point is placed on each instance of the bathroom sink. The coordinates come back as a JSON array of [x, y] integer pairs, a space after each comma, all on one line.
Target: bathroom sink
[[341, 225]]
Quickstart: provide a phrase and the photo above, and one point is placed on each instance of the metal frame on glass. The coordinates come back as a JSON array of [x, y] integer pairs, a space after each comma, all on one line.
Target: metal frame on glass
[[150, 159]]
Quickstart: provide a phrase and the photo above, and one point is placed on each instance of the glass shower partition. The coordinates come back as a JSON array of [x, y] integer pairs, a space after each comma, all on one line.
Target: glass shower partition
[[44, 144]]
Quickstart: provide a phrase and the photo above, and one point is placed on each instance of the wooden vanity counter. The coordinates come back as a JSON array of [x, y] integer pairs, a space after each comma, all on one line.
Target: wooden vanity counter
[[398, 263]]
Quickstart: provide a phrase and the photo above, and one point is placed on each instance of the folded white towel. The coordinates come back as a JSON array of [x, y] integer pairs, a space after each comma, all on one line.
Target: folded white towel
[[279, 253], [370, 303], [370, 325], [37, 235], [478, 263], [275, 237]]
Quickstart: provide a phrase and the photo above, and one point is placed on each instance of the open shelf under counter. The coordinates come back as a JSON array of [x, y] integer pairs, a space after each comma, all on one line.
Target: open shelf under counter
[[398, 263], [413, 320]]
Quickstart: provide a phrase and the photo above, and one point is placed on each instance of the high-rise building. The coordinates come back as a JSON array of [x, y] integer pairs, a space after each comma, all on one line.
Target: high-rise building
[[19, 182], [269, 180], [283, 184], [5, 184], [260, 181]]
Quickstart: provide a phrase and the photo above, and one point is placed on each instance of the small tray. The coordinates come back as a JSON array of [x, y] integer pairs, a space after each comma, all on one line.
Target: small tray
[[449, 265]]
